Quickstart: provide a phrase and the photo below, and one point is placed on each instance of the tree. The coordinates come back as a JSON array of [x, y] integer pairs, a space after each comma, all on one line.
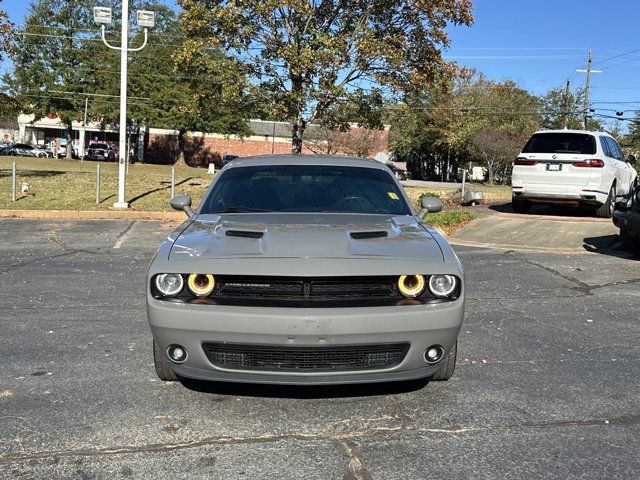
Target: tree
[[556, 104], [6, 31], [309, 55], [54, 59], [61, 61], [443, 126]]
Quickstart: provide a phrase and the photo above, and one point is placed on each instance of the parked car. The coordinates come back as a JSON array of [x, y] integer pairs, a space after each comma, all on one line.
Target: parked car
[[100, 151], [574, 167], [305, 270], [61, 151], [23, 150], [43, 149], [628, 221]]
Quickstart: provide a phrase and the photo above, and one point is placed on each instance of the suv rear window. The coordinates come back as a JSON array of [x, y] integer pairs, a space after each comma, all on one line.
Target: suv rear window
[[561, 143], [99, 145]]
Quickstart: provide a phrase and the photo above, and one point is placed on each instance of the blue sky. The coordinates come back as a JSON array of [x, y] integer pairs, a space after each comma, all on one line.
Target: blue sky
[[539, 44]]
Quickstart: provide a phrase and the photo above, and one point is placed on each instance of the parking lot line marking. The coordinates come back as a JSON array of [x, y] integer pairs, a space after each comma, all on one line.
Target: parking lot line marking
[[121, 238]]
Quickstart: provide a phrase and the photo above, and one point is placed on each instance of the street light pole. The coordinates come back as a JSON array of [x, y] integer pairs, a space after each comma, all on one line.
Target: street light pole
[[145, 19], [122, 144]]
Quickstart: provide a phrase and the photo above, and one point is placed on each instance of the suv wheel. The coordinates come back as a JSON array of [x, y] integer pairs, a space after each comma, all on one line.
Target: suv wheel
[[521, 206], [162, 367], [607, 208]]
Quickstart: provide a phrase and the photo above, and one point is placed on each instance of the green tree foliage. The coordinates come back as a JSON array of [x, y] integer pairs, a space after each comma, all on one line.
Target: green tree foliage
[[556, 104], [61, 61], [50, 61], [308, 55], [470, 118], [8, 106]]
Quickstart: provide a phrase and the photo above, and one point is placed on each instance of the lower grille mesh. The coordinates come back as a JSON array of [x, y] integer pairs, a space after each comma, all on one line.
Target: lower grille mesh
[[308, 359]]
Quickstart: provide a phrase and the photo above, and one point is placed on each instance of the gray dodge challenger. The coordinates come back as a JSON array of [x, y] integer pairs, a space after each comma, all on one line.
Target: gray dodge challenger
[[305, 270]]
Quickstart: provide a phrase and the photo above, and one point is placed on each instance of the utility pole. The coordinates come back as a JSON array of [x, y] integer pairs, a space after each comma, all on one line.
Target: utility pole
[[83, 139], [565, 113], [144, 19], [587, 87]]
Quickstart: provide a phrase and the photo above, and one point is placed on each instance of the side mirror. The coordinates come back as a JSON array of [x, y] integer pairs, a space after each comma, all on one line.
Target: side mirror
[[430, 205], [183, 203], [631, 159]]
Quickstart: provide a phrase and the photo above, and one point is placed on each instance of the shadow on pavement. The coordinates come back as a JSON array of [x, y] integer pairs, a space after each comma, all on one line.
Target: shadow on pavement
[[610, 245], [549, 210], [303, 391]]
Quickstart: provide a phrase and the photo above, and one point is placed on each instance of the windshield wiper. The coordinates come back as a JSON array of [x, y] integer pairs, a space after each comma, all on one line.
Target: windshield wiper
[[242, 209]]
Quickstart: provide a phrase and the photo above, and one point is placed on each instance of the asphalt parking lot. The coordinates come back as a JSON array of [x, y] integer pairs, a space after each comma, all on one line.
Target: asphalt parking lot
[[547, 384]]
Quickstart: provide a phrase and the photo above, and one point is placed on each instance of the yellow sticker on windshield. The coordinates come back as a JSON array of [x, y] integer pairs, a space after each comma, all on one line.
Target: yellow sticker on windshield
[[392, 195]]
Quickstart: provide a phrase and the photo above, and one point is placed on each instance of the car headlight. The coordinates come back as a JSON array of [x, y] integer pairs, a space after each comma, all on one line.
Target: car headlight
[[169, 284], [106, 154], [442, 286], [411, 286], [200, 284]]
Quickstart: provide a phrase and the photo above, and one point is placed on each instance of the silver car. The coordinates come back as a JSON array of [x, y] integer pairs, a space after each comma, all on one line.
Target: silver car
[[305, 270]]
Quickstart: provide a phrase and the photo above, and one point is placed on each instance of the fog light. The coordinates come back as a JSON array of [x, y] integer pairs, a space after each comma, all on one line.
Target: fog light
[[177, 353], [433, 354]]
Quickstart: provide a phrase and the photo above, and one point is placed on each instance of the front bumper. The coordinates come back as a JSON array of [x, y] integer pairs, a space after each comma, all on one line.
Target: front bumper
[[421, 326]]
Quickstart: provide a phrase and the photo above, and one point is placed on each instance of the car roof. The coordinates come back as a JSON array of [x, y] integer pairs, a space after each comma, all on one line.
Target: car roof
[[282, 159]]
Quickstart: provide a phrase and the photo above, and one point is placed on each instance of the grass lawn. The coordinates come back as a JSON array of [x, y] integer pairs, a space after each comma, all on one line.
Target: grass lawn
[[449, 220], [493, 194], [71, 185]]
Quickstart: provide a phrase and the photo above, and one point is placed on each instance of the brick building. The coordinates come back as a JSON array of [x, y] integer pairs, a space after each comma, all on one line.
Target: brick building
[[161, 145], [156, 145]]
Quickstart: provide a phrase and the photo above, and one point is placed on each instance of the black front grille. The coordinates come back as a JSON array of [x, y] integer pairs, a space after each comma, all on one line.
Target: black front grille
[[328, 288], [305, 359]]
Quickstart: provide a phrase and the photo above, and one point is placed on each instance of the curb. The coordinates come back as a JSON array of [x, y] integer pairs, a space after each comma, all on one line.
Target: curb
[[94, 215]]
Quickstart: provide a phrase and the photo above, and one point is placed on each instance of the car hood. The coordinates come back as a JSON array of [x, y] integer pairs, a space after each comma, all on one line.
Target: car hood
[[292, 235]]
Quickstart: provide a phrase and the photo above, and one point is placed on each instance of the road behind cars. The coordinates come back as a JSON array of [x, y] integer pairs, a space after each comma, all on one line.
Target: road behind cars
[[547, 383]]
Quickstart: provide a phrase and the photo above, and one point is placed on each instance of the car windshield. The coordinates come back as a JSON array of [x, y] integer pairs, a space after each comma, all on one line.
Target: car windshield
[[306, 188], [100, 145], [582, 143]]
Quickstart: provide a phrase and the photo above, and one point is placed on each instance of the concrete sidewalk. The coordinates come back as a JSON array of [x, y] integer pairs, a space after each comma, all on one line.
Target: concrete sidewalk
[[537, 233]]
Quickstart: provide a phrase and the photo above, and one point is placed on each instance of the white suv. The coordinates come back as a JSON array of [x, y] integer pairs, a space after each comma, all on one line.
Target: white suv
[[574, 167]]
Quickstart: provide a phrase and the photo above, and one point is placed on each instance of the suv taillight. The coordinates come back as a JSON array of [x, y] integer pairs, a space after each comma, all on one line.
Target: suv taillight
[[524, 161], [591, 163]]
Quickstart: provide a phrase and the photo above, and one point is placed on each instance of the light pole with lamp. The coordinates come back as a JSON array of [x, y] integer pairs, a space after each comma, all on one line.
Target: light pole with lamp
[[144, 18]]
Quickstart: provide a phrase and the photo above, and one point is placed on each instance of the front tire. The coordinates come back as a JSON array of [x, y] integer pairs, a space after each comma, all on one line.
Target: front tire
[[162, 367], [607, 208], [448, 365]]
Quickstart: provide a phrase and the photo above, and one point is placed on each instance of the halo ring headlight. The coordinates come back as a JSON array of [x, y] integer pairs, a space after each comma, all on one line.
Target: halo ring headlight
[[442, 286], [169, 284], [201, 284], [411, 286]]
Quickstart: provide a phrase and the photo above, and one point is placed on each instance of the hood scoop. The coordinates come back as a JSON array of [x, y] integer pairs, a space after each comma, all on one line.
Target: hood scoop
[[371, 234], [244, 233]]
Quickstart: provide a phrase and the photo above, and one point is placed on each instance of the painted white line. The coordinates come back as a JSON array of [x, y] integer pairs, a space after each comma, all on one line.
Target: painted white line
[[123, 236]]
